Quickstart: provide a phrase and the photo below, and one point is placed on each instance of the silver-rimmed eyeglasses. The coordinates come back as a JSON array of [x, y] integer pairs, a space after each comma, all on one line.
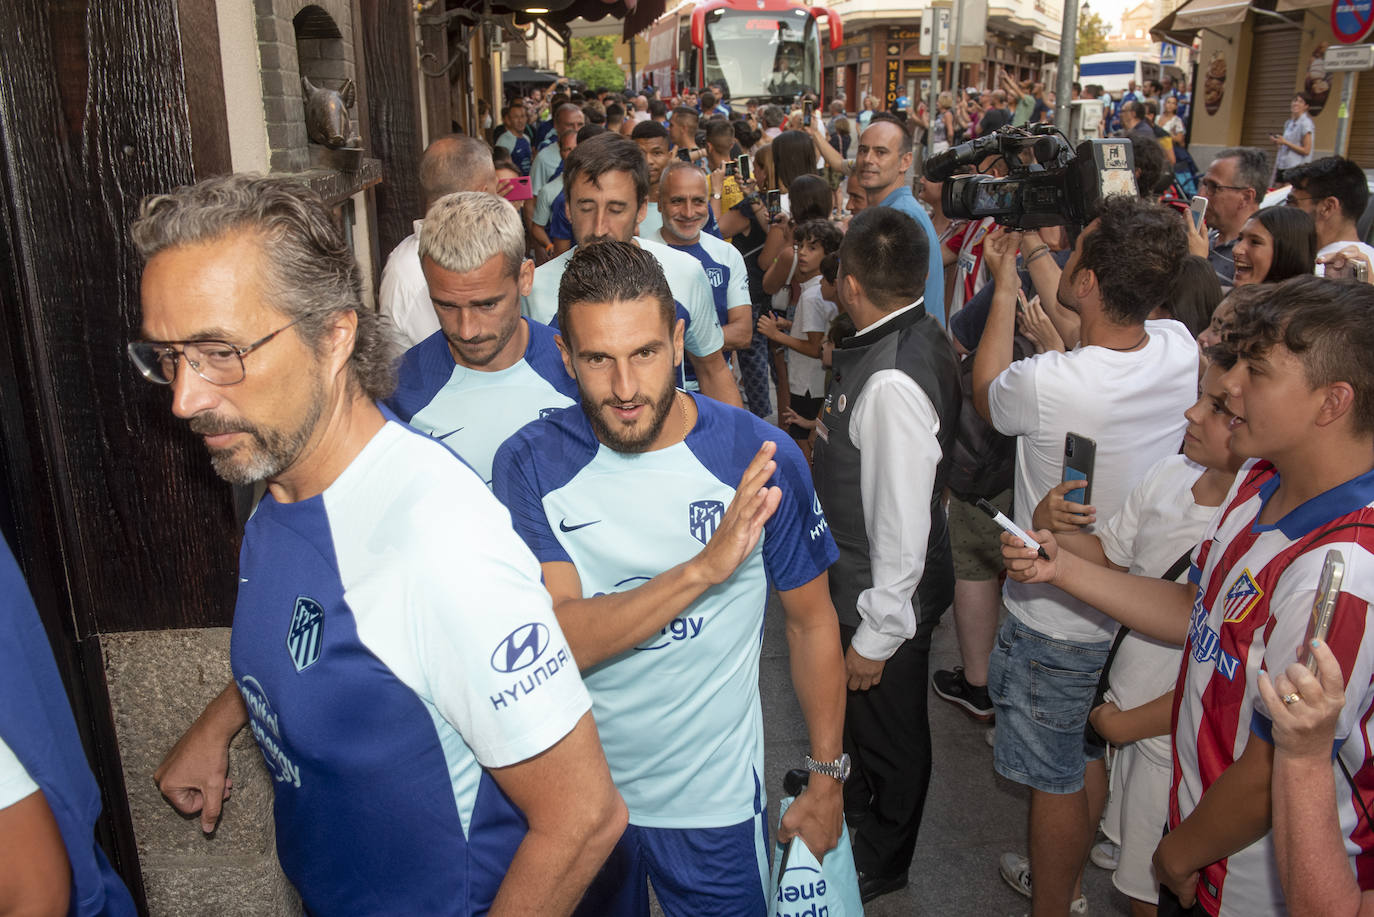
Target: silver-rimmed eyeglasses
[[217, 362]]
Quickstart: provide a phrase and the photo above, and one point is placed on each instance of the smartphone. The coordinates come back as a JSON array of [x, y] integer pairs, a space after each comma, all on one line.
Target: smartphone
[[774, 201], [1354, 270], [684, 155], [807, 108], [1079, 454], [1198, 209], [519, 189], [731, 167], [746, 168], [1324, 606]]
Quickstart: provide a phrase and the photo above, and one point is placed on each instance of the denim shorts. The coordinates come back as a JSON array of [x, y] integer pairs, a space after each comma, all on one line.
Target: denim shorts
[[1043, 690]]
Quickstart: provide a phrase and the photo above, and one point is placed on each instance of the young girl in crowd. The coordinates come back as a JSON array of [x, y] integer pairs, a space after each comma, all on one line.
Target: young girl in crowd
[[802, 336], [1275, 244]]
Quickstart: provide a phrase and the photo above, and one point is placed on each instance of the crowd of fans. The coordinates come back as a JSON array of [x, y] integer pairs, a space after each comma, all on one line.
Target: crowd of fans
[[564, 700]]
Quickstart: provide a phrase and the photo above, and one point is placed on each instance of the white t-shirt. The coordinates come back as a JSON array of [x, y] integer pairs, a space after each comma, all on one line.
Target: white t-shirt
[[405, 293], [1130, 404], [15, 782], [1159, 523], [806, 375], [1334, 247]]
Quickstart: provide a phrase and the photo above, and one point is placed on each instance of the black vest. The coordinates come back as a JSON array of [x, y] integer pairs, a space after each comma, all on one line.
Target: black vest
[[915, 344]]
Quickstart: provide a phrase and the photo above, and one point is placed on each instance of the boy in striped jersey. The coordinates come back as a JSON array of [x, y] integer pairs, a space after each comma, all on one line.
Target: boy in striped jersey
[[1302, 391]]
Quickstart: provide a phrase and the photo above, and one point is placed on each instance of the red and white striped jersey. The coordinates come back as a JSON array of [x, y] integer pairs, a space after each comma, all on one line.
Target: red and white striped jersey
[[1257, 584]]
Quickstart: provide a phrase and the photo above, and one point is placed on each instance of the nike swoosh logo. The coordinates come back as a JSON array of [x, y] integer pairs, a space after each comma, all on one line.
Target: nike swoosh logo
[[564, 527], [443, 436]]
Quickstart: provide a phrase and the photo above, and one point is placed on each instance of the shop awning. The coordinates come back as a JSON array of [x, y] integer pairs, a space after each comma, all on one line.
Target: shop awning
[[1292, 6], [1182, 25]]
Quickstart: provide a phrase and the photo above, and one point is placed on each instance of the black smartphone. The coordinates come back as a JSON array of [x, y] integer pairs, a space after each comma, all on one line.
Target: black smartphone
[[746, 168], [731, 167], [807, 108], [684, 155], [774, 200], [1079, 454]]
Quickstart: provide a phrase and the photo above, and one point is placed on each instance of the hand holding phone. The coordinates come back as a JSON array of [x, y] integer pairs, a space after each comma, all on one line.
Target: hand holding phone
[[1080, 452], [1197, 209], [774, 201]]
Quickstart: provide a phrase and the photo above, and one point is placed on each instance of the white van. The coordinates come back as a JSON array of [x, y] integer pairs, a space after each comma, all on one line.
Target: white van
[[1114, 70]]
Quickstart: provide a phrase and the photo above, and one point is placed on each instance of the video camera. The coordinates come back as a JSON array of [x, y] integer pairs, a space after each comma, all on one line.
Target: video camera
[[1048, 183]]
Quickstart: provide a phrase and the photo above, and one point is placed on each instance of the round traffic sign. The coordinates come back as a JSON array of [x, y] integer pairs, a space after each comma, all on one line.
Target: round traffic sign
[[1351, 19]]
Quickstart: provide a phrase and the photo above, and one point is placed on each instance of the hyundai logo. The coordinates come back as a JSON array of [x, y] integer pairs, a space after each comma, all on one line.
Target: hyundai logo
[[521, 648]]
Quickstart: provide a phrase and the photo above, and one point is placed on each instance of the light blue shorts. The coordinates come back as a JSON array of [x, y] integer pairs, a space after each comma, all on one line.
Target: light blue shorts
[[1043, 690]]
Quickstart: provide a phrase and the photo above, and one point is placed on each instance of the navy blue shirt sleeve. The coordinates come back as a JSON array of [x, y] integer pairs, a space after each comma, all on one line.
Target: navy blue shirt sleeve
[[516, 485]]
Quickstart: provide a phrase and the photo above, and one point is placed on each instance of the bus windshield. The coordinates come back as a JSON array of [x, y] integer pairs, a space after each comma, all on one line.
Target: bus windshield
[[758, 54]]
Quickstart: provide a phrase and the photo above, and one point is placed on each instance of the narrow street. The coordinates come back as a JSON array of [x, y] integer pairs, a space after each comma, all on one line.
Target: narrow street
[[972, 815]]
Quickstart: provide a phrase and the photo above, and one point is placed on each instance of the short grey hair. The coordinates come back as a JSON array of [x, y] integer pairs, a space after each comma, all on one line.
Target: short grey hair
[[680, 165], [1252, 168], [455, 163], [310, 276], [772, 116], [464, 231]]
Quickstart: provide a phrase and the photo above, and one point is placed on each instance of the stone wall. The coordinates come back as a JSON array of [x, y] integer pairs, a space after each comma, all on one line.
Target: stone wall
[[295, 39], [159, 682]]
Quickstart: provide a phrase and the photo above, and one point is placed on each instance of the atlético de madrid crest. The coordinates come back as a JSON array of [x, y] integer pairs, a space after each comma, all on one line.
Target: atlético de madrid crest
[[702, 518], [305, 638]]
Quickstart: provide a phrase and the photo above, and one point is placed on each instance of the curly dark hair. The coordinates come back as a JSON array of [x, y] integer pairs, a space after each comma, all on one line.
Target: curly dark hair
[[822, 232], [1134, 250], [1326, 324]]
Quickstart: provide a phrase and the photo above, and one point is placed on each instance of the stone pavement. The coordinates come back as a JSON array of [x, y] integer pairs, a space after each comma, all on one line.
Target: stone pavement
[[972, 815]]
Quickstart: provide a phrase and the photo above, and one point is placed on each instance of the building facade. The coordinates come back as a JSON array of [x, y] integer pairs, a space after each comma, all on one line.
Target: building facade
[[882, 52], [1250, 62]]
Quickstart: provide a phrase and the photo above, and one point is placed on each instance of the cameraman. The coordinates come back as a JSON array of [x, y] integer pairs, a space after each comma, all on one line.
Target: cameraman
[[1120, 266]]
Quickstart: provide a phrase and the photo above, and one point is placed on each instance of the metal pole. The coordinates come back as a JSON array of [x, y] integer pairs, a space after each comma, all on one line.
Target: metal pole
[[958, 14], [1343, 113], [1063, 84], [634, 82], [933, 105]]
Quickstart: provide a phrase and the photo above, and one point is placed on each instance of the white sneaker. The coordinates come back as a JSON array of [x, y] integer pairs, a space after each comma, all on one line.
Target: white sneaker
[[1106, 855], [1015, 870]]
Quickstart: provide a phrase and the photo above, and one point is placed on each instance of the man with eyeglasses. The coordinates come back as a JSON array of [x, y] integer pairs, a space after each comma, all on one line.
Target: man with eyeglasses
[[1334, 192], [431, 745], [1234, 186]]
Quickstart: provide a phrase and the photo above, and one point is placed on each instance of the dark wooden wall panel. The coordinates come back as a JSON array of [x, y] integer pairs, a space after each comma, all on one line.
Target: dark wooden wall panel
[[385, 34], [144, 532], [199, 31], [434, 40]]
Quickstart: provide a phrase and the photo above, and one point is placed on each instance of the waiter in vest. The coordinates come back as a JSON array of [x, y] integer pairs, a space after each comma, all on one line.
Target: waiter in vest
[[882, 455]]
